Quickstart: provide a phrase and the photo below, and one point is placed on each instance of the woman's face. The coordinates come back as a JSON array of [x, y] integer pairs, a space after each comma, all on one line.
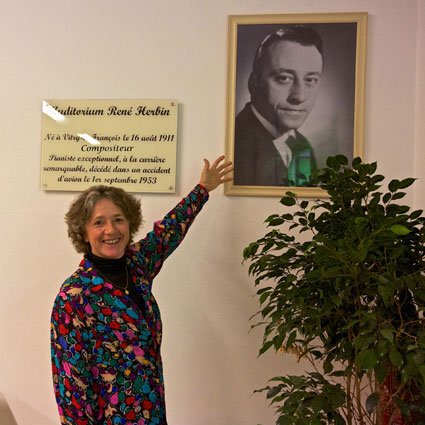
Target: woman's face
[[107, 230]]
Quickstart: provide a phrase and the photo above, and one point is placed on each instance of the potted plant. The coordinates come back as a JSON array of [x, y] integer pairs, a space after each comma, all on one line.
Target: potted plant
[[341, 284]]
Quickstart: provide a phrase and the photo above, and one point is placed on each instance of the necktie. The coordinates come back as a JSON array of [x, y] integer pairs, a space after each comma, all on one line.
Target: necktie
[[300, 167]]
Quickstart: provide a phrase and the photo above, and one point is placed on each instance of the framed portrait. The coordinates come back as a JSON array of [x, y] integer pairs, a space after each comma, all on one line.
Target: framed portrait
[[295, 96]]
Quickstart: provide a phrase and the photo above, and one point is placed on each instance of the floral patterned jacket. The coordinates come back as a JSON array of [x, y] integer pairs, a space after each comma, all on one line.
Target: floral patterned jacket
[[106, 359]]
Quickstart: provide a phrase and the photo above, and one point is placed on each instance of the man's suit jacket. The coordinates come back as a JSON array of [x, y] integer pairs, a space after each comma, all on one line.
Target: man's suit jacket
[[257, 161]]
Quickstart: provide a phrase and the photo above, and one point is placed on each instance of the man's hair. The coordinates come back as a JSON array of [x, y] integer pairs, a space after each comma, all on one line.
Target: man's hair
[[301, 34]]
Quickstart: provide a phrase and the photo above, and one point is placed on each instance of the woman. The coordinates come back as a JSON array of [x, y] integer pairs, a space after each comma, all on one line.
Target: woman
[[106, 325]]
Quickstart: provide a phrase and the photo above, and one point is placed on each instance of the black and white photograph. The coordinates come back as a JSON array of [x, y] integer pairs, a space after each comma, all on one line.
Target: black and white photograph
[[295, 98]]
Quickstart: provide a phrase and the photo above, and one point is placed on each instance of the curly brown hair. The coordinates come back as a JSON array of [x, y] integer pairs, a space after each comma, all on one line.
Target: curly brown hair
[[82, 208]]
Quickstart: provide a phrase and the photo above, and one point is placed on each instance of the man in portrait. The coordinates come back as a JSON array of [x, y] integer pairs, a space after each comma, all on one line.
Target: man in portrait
[[283, 86]]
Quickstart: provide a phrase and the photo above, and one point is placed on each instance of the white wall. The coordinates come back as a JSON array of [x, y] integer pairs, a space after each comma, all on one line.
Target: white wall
[[419, 169], [168, 49]]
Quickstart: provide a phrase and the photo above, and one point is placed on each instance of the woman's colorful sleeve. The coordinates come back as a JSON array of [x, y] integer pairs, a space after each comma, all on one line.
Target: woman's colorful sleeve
[[71, 354], [168, 233]]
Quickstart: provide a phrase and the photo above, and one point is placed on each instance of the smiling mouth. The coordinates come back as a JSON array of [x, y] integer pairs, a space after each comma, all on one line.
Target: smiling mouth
[[112, 241]]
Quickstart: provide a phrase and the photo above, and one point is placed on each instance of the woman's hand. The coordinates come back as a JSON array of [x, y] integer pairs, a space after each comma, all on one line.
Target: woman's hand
[[215, 174]]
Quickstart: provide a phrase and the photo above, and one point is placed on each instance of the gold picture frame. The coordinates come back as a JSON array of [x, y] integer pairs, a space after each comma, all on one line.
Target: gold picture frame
[[333, 125]]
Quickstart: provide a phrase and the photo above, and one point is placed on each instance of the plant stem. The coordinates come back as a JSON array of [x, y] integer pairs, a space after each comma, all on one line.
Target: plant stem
[[349, 401], [358, 395], [379, 406]]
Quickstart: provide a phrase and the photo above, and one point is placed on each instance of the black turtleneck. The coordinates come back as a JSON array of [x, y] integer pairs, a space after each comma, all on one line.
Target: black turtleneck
[[114, 271]]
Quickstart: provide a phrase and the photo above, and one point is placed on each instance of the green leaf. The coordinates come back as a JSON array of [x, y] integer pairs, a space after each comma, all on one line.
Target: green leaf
[[396, 358], [367, 359], [351, 324], [278, 341], [337, 396], [416, 214], [288, 201], [381, 371], [387, 334], [317, 404], [372, 402], [394, 185], [372, 167], [266, 311], [331, 162], [285, 420], [264, 296], [398, 195], [251, 250], [406, 183], [291, 339], [327, 367], [271, 217], [386, 197], [273, 391], [265, 347], [342, 159], [421, 369], [399, 229], [361, 220], [387, 293], [260, 291], [276, 221], [339, 373], [356, 162], [377, 178]]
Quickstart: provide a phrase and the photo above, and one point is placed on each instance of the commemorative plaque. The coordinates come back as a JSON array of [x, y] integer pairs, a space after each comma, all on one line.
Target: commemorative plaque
[[126, 143]]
